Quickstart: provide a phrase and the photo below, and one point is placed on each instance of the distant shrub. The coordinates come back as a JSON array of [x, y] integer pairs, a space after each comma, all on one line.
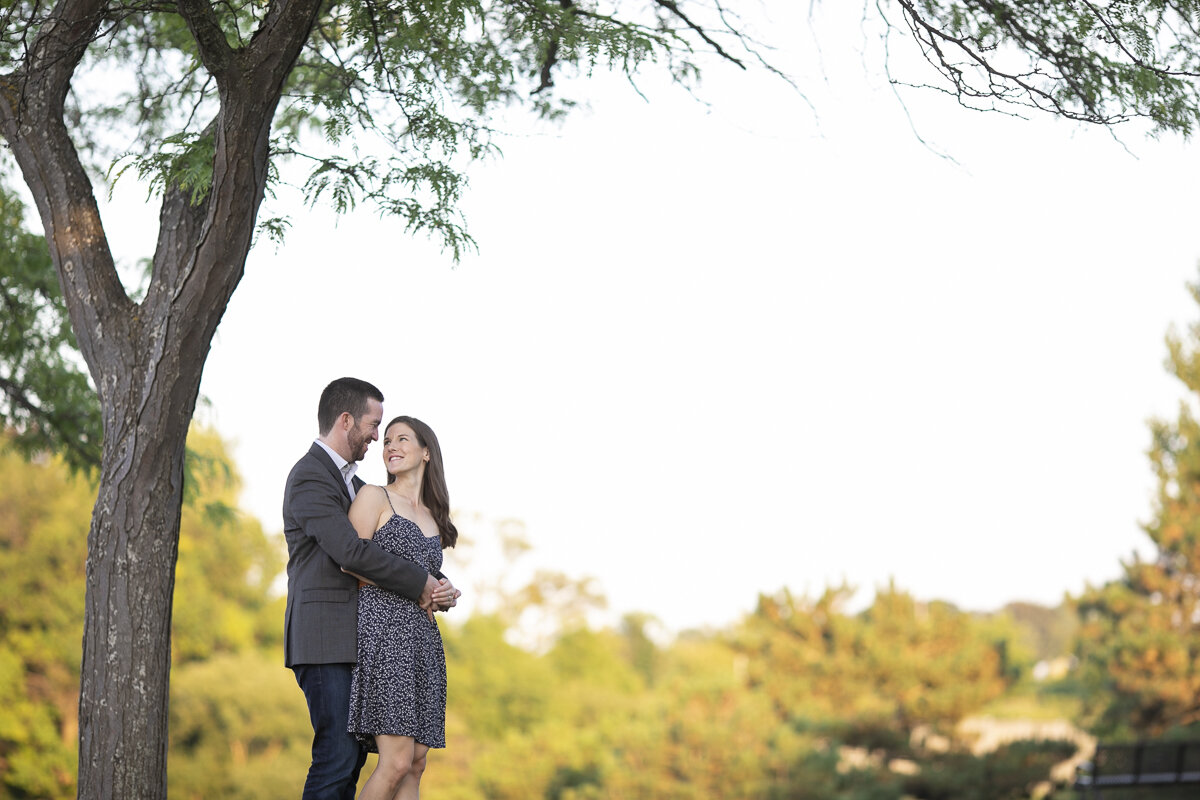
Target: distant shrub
[[1008, 773]]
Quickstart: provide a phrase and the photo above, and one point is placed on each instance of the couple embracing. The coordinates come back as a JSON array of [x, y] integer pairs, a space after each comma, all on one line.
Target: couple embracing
[[364, 581]]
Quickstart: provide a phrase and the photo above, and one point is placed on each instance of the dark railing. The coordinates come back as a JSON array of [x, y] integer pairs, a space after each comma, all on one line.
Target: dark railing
[[1139, 764]]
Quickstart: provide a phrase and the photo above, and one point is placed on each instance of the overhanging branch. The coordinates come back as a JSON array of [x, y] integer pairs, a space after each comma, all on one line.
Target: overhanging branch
[[673, 7]]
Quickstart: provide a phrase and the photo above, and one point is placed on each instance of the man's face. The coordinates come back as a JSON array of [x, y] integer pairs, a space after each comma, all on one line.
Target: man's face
[[365, 430]]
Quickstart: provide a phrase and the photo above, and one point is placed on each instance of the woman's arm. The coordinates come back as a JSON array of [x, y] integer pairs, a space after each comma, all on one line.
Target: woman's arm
[[364, 516], [365, 510]]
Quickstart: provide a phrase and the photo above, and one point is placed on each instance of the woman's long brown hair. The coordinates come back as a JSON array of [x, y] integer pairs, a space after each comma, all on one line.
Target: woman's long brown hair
[[434, 493]]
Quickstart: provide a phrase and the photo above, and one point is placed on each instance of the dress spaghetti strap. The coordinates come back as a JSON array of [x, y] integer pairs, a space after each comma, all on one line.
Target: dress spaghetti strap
[[388, 495]]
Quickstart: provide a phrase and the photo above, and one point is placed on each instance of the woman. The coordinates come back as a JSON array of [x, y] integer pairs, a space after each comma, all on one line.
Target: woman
[[398, 696]]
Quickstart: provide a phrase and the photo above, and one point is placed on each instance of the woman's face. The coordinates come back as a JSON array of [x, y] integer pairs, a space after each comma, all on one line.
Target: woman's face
[[401, 450]]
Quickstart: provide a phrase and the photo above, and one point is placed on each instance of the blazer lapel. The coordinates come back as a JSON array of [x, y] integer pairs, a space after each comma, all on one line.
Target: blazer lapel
[[323, 458]]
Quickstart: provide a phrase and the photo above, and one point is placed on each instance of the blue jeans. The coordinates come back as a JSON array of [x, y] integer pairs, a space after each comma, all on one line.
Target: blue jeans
[[337, 756]]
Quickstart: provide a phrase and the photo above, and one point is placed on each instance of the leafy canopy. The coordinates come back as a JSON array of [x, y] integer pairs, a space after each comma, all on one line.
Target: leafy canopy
[[1105, 62], [223, 600], [46, 401], [1140, 634], [386, 103], [385, 106]]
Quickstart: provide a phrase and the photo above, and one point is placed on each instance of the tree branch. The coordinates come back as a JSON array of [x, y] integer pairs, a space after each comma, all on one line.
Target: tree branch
[[31, 118], [193, 266], [673, 7], [279, 39], [79, 453], [215, 52], [931, 35]]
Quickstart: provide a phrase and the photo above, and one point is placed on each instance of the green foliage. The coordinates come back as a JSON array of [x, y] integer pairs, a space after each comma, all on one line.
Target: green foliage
[[46, 400], [1046, 632], [639, 648], [386, 103], [745, 713], [1008, 773], [239, 728], [223, 606], [185, 160], [900, 663], [1097, 62], [1140, 635], [774, 707], [43, 527], [594, 659], [226, 564], [509, 687]]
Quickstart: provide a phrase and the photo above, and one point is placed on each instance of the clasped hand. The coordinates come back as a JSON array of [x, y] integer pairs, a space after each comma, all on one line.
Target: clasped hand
[[438, 595]]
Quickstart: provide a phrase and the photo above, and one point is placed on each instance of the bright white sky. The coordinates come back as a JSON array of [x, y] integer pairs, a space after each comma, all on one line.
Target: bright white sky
[[712, 351]]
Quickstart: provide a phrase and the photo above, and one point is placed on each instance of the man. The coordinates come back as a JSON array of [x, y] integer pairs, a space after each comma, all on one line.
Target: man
[[320, 623]]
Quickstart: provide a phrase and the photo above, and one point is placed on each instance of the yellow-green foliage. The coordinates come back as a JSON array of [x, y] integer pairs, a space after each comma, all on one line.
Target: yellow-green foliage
[[758, 710], [898, 664], [239, 728], [1140, 635], [43, 530], [226, 564], [222, 603]]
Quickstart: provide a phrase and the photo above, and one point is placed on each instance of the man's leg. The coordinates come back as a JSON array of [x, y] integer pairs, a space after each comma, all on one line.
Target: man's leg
[[336, 755]]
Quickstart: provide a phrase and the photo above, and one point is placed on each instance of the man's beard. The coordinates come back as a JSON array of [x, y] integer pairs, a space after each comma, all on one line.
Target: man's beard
[[358, 445]]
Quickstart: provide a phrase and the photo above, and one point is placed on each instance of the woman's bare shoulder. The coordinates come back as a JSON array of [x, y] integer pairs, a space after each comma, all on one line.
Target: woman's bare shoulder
[[370, 496]]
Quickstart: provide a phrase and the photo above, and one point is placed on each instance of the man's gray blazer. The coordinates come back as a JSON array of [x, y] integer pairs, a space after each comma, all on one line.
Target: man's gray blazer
[[321, 620]]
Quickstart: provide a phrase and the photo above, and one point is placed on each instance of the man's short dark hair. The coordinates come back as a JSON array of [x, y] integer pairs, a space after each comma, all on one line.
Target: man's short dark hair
[[344, 394]]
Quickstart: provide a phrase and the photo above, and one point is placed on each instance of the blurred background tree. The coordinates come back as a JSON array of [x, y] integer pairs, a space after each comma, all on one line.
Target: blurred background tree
[[1140, 635], [225, 608], [44, 514], [47, 403], [800, 699], [227, 564], [819, 702], [897, 665], [877, 675]]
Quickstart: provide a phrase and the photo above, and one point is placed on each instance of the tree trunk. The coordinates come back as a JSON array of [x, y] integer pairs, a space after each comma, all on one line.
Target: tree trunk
[[146, 358], [132, 547]]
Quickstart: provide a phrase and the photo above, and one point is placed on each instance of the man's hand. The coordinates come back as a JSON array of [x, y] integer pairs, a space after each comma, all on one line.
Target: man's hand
[[445, 597], [426, 602]]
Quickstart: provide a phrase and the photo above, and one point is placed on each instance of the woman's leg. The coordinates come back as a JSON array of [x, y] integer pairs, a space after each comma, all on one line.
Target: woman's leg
[[410, 786], [395, 762]]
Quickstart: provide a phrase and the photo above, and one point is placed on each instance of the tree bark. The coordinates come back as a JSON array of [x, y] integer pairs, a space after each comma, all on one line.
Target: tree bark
[[132, 547], [146, 359]]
